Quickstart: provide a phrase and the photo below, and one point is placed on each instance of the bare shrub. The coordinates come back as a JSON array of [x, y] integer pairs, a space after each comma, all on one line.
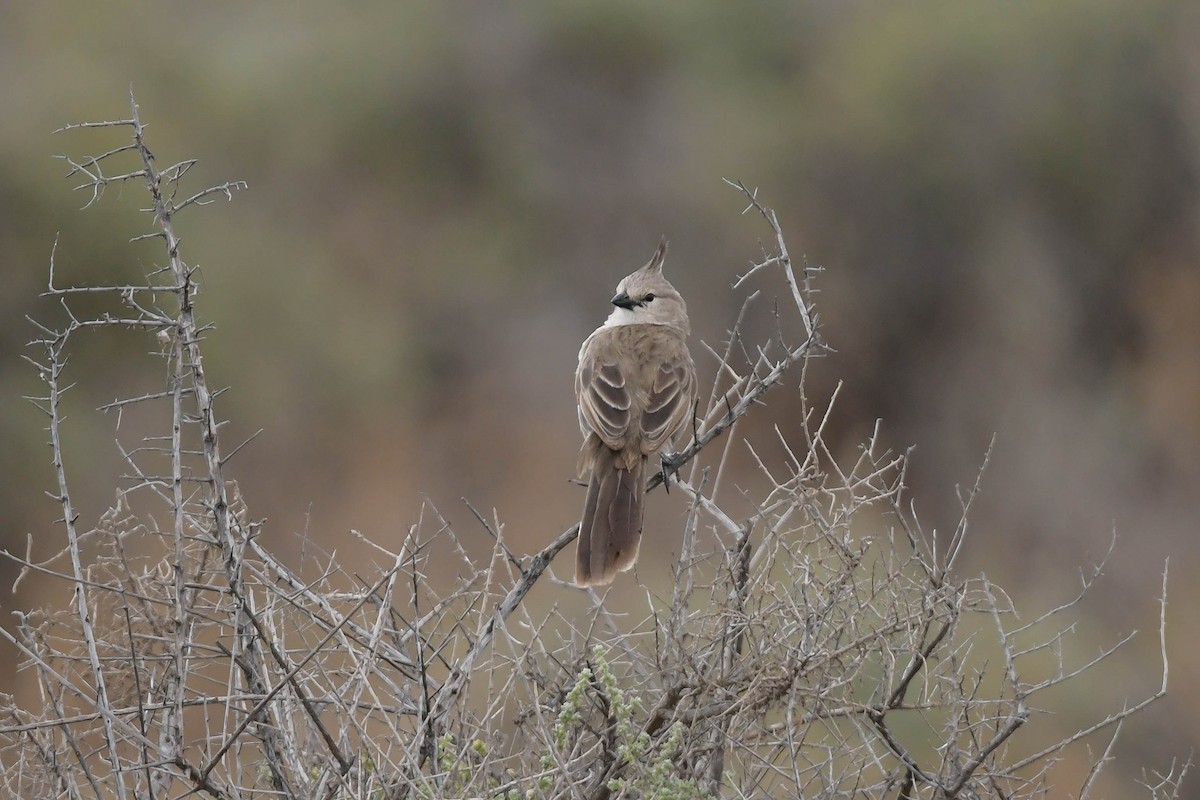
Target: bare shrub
[[823, 646]]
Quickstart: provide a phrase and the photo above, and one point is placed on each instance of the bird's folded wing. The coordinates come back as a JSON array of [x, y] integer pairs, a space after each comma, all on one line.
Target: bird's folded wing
[[604, 400], [668, 403]]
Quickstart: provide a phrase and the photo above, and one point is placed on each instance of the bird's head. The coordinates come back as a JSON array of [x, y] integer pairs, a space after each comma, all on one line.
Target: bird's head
[[646, 297]]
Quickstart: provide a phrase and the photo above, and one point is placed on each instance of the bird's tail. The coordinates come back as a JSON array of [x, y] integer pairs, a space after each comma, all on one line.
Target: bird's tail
[[611, 528]]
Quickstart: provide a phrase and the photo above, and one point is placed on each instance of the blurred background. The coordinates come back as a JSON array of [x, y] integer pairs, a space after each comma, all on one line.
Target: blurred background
[[442, 197]]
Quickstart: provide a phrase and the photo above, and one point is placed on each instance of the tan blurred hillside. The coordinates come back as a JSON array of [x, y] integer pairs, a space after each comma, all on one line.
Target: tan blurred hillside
[[442, 197]]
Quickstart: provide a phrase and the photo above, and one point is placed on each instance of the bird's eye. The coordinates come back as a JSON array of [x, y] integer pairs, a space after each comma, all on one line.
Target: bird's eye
[[649, 297]]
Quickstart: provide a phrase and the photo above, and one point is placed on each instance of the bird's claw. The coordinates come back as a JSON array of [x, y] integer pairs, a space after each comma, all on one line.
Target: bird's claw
[[671, 462]]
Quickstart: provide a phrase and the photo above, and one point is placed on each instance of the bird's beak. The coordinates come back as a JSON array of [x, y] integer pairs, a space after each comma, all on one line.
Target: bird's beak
[[623, 300]]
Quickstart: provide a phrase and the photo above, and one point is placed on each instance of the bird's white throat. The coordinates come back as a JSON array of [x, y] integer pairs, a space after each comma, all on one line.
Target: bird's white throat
[[622, 316]]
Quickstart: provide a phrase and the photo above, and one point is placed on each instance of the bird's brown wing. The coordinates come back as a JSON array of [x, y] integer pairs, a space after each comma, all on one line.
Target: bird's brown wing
[[604, 398], [668, 402]]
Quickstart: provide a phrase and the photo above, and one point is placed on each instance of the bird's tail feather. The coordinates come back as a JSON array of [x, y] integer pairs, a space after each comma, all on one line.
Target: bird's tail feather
[[611, 529]]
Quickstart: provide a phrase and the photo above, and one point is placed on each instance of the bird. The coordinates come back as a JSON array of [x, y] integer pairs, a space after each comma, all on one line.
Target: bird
[[635, 389]]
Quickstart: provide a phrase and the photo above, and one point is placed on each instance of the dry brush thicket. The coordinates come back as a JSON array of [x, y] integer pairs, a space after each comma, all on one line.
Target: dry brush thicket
[[823, 646]]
